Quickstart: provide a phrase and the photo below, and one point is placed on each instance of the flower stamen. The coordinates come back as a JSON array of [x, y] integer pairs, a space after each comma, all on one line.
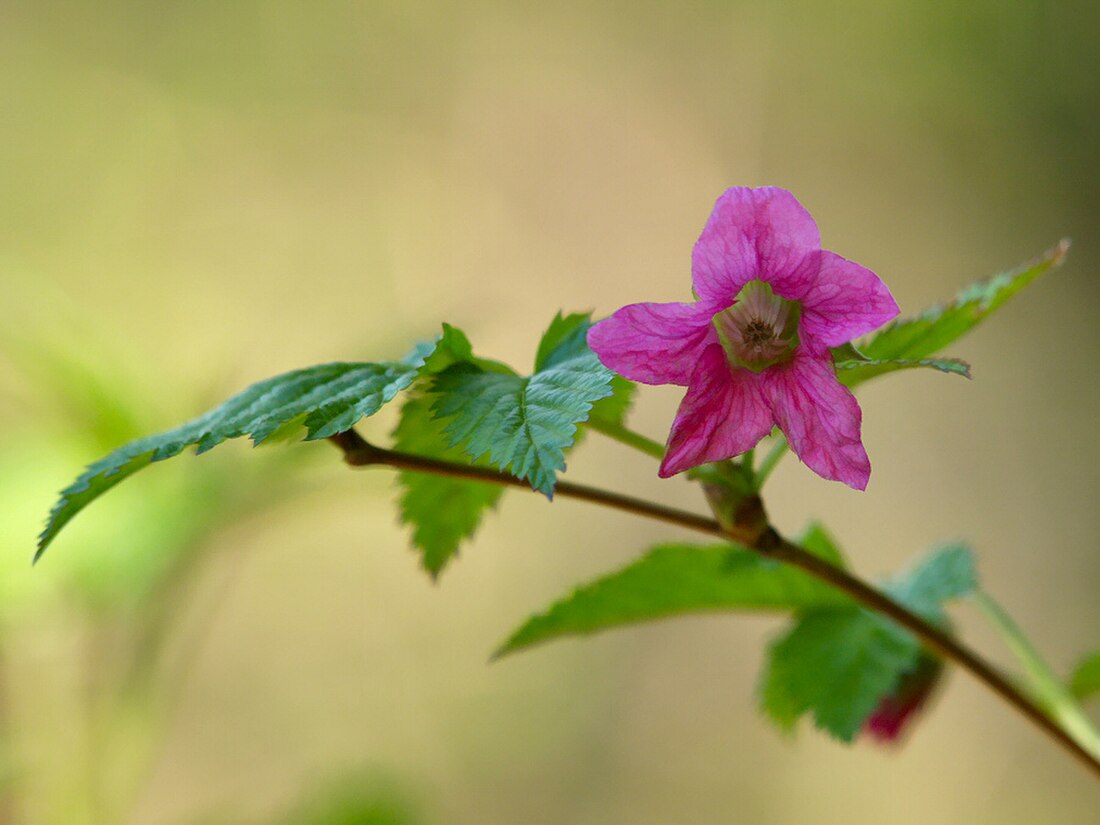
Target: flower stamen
[[760, 329]]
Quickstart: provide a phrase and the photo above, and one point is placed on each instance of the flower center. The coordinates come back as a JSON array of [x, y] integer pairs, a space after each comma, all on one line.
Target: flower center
[[760, 329]]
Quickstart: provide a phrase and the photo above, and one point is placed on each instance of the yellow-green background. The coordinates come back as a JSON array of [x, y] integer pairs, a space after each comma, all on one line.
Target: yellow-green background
[[197, 195]]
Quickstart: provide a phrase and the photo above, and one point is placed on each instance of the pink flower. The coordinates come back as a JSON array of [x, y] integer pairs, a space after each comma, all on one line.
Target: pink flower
[[753, 350]]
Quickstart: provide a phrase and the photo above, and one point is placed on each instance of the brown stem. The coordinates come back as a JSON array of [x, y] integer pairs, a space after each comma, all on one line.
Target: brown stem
[[360, 453]]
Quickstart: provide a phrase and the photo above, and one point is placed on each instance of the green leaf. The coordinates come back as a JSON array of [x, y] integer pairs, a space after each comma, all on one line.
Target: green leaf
[[524, 424], [565, 338], [445, 511], [453, 347], [674, 580], [821, 543], [682, 579], [609, 414], [918, 338], [836, 664], [1085, 681], [946, 573], [325, 399], [613, 408], [855, 372], [442, 511]]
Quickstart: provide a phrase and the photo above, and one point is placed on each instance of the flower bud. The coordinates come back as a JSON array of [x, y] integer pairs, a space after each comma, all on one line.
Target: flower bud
[[897, 708]]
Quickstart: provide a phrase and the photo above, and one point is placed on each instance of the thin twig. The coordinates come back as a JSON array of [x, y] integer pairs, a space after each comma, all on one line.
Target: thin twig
[[360, 453]]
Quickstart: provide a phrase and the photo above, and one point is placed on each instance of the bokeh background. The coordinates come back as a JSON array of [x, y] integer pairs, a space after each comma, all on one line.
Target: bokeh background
[[198, 195]]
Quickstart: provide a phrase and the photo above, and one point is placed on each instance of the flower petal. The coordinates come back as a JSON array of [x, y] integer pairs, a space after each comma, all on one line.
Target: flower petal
[[819, 416], [654, 343], [843, 300], [722, 415], [752, 233]]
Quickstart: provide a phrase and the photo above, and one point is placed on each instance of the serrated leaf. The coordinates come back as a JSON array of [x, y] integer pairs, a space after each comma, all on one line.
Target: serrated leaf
[[610, 411], [565, 338], [453, 347], [855, 372], [327, 399], [839, 663], [614, 408], [445, 511], [675, 580], [928, 333], [523, 424], [946, 573], [1085, 681], [442, 511], [422, 351], [836, 664]]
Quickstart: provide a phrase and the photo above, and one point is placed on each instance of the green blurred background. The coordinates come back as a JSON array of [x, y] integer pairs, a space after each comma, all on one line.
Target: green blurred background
[[198, 195]]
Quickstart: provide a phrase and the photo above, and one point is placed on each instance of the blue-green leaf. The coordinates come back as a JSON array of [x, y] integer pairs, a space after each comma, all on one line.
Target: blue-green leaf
[[565, 338], [926, 334], [443, 511], [676, 580], [453, 347], [613, 409], [854, 372], [838, 663], [320, 401], [947, 573], [524, 425], [682, 579]]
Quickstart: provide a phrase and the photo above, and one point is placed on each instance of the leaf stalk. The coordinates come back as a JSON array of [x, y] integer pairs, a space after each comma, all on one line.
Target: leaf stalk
[[627, 436]]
